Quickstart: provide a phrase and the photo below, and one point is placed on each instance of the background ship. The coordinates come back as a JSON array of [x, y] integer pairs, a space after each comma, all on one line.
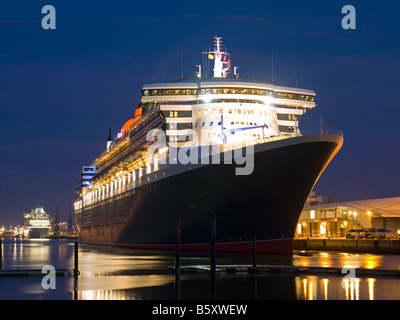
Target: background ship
[[37, 223], [244, 162]]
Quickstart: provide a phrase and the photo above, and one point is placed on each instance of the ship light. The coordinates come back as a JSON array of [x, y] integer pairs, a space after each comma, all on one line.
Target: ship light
[[369, 213], [267, 99], [207, 98]]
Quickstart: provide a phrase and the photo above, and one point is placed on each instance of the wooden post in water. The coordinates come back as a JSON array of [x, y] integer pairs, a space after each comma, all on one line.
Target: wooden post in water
[[213, 230], [255, 253], [76, 271], [178, 259], [1, 253]]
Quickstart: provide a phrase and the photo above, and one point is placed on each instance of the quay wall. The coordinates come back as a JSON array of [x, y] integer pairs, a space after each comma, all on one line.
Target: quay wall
[[349, 245]]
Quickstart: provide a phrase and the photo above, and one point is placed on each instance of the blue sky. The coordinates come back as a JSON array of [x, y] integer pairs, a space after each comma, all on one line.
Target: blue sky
[[60, 90]]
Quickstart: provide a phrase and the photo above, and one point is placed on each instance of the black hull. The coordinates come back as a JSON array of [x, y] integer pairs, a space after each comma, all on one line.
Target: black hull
[[36, 233], [266, 204]]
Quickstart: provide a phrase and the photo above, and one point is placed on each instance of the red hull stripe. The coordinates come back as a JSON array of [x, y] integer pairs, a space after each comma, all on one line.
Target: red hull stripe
[[281, 246]]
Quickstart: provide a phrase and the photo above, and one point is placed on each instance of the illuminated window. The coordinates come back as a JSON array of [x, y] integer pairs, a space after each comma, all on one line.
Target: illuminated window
[[312, 214], [322, 228]]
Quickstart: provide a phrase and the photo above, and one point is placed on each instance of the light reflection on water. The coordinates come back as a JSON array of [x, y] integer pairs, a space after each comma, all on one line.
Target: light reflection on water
[[124, 274]]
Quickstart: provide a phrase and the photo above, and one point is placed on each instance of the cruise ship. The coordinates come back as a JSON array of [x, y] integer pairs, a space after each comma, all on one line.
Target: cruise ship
[[219, 146], [37, 224]]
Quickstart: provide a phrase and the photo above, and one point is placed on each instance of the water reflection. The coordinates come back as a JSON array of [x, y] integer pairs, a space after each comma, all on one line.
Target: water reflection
[[124, 274], [337, 288]]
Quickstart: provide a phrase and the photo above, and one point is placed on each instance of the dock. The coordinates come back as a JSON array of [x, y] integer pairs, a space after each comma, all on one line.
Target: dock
[[31, 273], [284, 269], [377, 246]]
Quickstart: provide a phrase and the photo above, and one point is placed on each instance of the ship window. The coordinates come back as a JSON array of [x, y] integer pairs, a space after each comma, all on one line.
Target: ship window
[[171, 114], [214, 90], [211, 123], [239, 111], [220, 111], [146, 92], [206, 112], [203, 124], [208, 90], [219, 123], [197, 124], [199, 112], [176, 113]]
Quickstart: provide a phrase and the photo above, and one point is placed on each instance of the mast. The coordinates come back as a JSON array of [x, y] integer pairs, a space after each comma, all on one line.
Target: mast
[[222, 62]]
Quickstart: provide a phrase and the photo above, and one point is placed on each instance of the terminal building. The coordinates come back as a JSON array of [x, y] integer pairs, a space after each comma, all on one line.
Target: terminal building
[[323, 218]]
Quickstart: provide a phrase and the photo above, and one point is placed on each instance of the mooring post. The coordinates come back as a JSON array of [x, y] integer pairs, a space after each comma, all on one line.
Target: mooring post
[[1, 253], [213, 230], [178, 259], [76, 271], [254, 253]]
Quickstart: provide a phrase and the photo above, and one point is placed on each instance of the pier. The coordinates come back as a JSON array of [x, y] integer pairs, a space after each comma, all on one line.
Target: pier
[[287, 269], [380, 246]]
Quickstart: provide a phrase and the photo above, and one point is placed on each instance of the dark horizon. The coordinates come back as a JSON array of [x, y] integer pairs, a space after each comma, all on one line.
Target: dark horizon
[[61, 90]]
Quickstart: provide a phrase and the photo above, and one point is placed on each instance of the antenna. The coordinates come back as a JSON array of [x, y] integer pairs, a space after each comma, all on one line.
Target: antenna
[[320, 119], [272, 65], [182, 62]]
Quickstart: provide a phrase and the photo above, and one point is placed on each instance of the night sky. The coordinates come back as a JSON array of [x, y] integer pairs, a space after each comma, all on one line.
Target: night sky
[[61, 90]]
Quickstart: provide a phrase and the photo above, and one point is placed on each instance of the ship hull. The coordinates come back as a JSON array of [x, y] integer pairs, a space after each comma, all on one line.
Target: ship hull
[[35, 233], [264, 205]]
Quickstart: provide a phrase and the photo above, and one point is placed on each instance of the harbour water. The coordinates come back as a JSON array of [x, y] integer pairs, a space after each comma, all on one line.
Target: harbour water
[[108, 273]]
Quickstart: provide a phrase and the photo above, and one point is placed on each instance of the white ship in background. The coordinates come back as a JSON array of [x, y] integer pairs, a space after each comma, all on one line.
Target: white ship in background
[[37, 224]]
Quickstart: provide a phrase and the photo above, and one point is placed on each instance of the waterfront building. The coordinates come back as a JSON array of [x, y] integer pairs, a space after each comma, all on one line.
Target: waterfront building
[[337, 219]]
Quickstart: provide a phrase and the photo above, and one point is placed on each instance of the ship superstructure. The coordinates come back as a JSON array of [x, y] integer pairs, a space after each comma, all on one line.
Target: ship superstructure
[[181, 155], [37, 223]]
